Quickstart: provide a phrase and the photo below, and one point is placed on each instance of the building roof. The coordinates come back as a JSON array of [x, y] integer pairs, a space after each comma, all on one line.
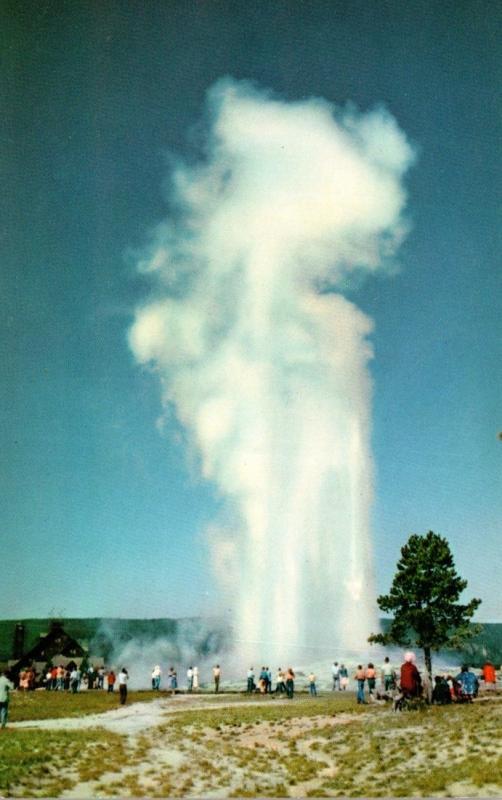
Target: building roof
[[56, 643]]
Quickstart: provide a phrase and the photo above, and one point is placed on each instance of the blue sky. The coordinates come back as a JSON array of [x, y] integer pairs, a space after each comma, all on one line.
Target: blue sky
[[101, 513]]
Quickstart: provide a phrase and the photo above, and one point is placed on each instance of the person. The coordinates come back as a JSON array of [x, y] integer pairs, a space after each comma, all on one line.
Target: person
[[388, 675], [48, 679], [269, 680], [489, 676], [452, 686], [344, 677], [312, 686], [90, 677], [170, 675], [216, 677], [60, 678], [190, 678], [110, 680], [123, 678], [6, 687], [74, 679], [280, 686], [101, 678], [335, 672], [263, 680], [360, 677], [411, 683], [250, 679], [196, 679], [32, 679], [427, 687], [441, 692], [469, 684], [371, 678], [156, 673], [290, 682]]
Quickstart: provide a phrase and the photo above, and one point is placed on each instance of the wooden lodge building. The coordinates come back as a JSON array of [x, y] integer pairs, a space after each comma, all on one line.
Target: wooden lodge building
[[56, 647]]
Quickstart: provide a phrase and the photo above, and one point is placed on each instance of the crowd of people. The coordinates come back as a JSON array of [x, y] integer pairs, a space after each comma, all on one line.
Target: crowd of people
[[408, 684], [67, 678], [401, 686], [284, 682], [371, 684], [388, 683], [75, 680]]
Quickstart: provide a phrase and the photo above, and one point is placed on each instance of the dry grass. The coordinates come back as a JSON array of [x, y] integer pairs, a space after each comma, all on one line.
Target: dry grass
[[54, 705], [323, 747], [36, 763]]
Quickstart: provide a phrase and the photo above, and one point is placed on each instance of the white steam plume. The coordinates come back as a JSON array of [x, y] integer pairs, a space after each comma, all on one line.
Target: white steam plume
[[264, 360]]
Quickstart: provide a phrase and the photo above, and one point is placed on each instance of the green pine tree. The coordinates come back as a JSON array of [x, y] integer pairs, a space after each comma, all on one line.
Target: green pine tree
[[423, 599]]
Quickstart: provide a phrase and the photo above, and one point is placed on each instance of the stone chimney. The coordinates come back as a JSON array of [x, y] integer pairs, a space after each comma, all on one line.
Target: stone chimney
[[18, 644]]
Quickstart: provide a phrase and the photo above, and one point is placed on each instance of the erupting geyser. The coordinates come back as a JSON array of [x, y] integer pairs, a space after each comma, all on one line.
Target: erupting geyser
[[264, 360]]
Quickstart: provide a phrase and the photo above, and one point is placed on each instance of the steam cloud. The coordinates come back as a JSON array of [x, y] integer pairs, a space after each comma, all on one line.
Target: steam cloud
[[265, 361]]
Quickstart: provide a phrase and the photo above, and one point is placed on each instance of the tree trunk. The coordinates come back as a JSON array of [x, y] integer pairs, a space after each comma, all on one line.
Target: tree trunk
[[428, 664]]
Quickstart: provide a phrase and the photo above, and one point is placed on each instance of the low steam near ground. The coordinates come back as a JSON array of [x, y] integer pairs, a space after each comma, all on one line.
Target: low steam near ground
[[204, 643]]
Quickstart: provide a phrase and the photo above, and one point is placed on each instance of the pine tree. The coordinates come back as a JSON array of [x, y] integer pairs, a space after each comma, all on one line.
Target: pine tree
[[423, 599]]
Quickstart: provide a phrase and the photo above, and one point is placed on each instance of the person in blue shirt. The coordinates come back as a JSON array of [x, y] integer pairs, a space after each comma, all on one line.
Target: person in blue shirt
[[469, 684]]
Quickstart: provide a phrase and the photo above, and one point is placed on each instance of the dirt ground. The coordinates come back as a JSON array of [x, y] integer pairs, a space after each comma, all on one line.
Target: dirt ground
[[171, 749]]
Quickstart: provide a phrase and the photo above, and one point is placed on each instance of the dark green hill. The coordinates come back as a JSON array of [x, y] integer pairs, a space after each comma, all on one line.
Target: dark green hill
[[487, 644], [80, 629], [101, 635]]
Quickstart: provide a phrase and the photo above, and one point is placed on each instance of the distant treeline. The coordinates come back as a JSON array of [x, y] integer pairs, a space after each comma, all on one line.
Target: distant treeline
[[100, 635], [483, 646]]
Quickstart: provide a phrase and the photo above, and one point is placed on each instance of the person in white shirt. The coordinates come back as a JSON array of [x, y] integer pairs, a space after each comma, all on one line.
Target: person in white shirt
[[6, 687], [190, 678], [156, 675], [123, 678], [335, 672], [388, 675]]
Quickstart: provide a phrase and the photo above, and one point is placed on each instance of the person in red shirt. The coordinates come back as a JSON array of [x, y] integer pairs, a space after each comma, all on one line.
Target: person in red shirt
[[110, 679], [411, 683], [489, 676]]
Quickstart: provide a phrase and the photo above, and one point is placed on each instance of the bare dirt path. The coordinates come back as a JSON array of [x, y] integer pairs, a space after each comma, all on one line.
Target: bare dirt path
[[138, 717]]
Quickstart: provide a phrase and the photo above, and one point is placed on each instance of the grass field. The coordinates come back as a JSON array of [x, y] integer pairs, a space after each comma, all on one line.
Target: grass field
[[233, 746], [55, 705]]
